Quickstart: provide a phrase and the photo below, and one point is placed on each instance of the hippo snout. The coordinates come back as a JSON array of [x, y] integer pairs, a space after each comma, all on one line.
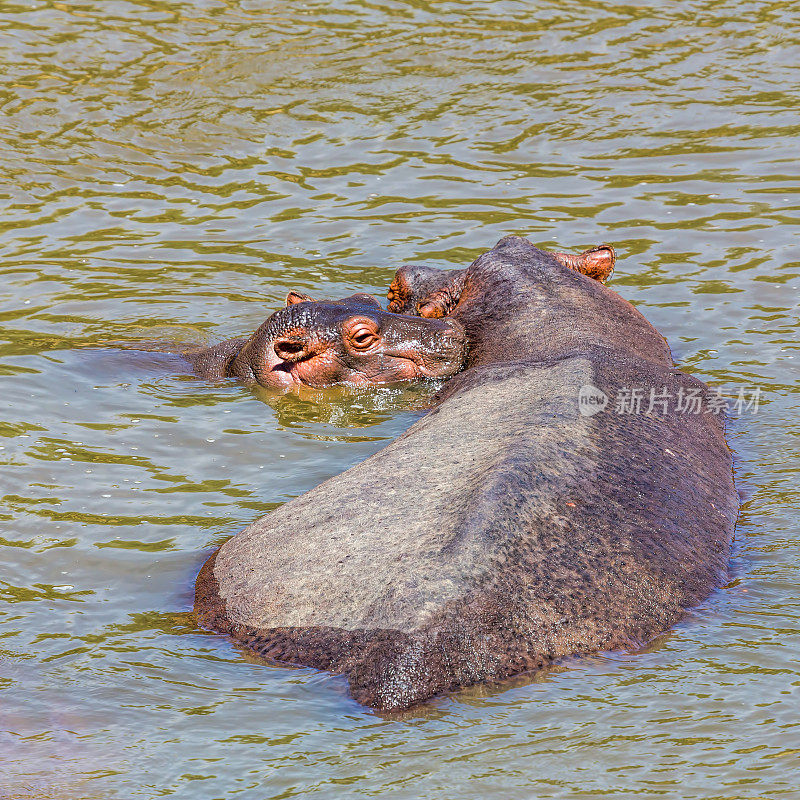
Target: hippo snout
[[446, 349], [454, 337]]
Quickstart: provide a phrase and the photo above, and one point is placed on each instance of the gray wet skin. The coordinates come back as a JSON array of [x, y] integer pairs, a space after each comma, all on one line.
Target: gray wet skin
[[503, 530], [429, 292], [325, 342]]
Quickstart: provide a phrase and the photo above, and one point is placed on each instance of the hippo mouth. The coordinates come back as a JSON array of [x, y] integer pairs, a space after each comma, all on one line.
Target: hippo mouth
[[284, 374], [316, 370], [311, 373]]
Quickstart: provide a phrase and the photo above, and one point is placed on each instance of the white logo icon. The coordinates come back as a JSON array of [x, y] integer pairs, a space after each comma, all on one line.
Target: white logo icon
[[591, 400]]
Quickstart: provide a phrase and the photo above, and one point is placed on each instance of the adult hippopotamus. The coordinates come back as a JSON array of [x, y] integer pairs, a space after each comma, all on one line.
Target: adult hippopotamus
[[510, 526], [324, 342]]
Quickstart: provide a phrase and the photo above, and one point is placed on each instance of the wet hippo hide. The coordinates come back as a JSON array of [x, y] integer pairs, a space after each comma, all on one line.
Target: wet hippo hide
[[504, 529], [324, 342]]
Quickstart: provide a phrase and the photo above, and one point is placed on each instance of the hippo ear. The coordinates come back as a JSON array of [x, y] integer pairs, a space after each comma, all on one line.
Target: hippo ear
[[435, 306], [597, 263], [297, 297], [364, 299]]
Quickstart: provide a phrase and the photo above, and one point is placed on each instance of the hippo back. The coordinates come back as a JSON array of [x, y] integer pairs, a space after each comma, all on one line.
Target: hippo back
[[520, 303]]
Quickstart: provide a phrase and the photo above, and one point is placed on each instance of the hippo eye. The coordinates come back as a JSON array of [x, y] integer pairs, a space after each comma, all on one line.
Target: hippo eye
[[364, 338], [362, 334]]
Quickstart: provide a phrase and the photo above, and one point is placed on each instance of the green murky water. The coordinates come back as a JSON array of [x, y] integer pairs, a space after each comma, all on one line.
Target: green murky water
[[185, 164]]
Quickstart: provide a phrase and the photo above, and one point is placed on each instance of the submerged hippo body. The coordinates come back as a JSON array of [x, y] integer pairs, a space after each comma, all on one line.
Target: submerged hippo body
[[535, 532], [325, 342]]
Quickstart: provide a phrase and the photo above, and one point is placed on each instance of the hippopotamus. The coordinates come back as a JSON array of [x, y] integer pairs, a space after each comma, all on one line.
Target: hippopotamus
[[429, 292], [507, 528], [324, 342]]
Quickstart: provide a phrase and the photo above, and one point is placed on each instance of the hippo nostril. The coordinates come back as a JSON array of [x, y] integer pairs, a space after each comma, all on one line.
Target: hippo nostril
[[289, 349]]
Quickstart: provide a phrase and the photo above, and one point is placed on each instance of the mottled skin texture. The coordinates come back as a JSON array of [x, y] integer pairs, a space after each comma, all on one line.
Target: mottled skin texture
[[430, 292], [425, 291], [324, 342], [535, 533]]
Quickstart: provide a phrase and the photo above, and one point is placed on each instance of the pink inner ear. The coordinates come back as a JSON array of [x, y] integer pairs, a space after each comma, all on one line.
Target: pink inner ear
[[297, 297]]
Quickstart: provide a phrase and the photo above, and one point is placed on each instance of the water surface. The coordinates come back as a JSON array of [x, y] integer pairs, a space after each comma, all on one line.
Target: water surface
[[184, 165]]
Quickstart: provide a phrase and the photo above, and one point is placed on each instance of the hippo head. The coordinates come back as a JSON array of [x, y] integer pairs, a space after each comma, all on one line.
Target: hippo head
[[425, 291], [324, 342], [430, 292]]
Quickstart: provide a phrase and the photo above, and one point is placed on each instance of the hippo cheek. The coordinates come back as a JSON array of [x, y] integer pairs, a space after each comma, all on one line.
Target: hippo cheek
[[440, 362], [402, 365], [390, 369], [439, 369], [380, 370], [406, 369], [395, 367]]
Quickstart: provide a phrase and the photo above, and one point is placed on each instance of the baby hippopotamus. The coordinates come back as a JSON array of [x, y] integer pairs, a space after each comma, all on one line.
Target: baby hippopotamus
[[324, 342]]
